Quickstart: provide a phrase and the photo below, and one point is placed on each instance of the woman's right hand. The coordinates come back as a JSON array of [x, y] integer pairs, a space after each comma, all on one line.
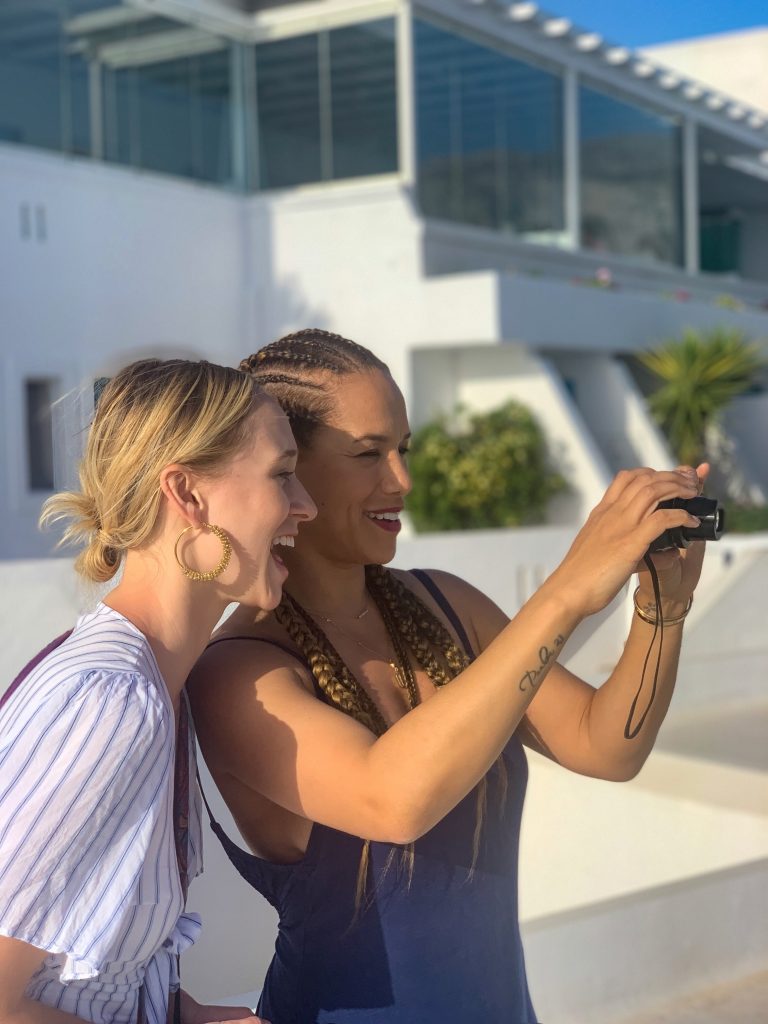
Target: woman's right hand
[[617, 534], [193, 1012]]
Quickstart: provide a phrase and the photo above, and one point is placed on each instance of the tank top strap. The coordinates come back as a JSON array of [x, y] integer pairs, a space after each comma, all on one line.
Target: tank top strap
[[283, 647], [445, 605]]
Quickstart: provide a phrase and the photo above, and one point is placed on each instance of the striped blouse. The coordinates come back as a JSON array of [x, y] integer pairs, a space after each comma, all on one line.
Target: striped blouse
[[88, 867]]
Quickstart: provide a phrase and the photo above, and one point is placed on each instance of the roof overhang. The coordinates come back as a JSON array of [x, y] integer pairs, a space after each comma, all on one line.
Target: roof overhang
[[521, 26]]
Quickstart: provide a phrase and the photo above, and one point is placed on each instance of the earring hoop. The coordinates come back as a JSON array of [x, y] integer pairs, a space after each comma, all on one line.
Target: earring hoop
[[193, 574]]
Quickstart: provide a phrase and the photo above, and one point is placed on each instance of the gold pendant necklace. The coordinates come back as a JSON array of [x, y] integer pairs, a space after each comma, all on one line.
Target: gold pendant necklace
[[399, 674]]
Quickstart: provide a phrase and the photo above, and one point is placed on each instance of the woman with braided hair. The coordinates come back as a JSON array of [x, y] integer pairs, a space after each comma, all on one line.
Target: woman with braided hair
[[368, 735]]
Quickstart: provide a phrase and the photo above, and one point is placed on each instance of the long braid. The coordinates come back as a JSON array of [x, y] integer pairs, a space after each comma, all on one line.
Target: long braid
[[295, 370], [299, 370], [422, 631]]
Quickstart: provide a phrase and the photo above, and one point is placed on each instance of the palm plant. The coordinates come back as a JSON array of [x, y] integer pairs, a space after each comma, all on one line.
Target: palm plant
[[700, 374]]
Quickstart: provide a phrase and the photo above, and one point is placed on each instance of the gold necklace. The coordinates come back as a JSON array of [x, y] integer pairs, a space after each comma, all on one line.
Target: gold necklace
[[319, 615], [400, 664], [398, 673]]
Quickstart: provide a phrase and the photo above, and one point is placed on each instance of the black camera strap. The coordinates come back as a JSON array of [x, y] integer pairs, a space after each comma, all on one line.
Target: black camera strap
[[658, 630]]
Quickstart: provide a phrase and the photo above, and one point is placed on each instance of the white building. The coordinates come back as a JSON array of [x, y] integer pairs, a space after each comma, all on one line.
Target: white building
[[734, 62], [431, 177], [500, 204]]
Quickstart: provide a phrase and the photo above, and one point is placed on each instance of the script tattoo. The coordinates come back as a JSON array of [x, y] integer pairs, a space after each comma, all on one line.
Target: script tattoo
[[531, 678]]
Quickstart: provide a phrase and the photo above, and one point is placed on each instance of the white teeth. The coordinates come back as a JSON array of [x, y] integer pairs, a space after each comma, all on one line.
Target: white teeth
[[286, 542], [392, 517]]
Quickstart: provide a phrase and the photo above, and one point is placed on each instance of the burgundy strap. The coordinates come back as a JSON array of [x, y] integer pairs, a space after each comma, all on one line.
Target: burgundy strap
[[181, 803], [33, 665]]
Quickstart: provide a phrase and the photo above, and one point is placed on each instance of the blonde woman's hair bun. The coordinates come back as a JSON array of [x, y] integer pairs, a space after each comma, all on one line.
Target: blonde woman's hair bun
[[150, 414]]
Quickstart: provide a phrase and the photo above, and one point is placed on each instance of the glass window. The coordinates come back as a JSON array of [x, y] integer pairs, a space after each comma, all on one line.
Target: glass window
[[170, 115], [327, 105], [288, 100], [31, 54], [631, 179], [39, 396], [489, 136], [164, 90], [733, 207], [363, 112], [44, 76]]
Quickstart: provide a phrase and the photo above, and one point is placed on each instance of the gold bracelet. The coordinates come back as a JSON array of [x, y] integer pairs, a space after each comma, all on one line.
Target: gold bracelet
[[651, 620]]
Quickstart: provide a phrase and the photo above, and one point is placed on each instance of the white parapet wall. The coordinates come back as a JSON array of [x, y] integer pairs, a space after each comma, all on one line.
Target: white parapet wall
[[629, 893]]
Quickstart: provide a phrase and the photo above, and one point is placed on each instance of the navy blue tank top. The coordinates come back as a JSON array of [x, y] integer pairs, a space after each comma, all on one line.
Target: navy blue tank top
[[444, 949]]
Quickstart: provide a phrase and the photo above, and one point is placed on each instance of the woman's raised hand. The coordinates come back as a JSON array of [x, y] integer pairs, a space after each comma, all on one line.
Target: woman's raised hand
[[618, 532]]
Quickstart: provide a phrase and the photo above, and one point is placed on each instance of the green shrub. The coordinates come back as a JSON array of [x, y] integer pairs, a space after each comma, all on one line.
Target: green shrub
[[493, 472], [745, 518], [699, 375]]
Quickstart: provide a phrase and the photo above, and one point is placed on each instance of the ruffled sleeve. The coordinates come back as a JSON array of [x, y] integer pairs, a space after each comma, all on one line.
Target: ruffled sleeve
[[85, 784]]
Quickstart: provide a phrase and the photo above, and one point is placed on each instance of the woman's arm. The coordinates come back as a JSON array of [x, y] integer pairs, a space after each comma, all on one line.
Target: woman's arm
[[258, 723], [572, 722], [18, 962], [578, 726], [193, 1012]]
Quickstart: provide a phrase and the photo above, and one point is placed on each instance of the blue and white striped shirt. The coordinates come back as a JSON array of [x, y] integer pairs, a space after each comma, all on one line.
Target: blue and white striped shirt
[[88, 867]]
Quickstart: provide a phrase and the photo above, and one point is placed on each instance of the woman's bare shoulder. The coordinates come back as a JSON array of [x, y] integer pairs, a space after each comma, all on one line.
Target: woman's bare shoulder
[[244, 649], [459, 592], [481, 617]]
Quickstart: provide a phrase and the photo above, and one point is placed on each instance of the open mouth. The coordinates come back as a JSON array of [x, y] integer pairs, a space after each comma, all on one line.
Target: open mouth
[[386, 519], [284, 540]]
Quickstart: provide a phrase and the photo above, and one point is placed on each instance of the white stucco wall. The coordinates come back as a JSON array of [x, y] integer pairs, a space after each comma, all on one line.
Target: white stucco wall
[[734, 62], [614, 880], [130, 265], [747, 419], [614, 411]]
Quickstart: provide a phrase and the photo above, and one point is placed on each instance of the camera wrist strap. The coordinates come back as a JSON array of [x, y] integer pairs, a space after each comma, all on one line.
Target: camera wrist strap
[[658, 629]]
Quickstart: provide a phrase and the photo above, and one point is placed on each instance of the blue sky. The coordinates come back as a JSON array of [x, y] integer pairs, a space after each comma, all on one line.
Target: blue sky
[[644, 22]]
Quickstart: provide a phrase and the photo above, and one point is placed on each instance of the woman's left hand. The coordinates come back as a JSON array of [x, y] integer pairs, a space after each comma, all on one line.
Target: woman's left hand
[[679, 569], [193, 1012]]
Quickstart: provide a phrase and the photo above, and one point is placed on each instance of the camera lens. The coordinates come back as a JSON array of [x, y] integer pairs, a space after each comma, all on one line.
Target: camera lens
[[711, 525]]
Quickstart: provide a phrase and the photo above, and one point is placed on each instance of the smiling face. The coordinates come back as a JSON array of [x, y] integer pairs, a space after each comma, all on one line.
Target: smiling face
[[354, 467], [260, 503]]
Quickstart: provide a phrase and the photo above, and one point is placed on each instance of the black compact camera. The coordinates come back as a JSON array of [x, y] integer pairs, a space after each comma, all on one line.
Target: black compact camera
[[711, 527]]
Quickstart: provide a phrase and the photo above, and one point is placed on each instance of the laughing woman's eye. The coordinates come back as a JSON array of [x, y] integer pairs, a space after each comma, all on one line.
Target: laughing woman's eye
[[405, 451], [370, 454]]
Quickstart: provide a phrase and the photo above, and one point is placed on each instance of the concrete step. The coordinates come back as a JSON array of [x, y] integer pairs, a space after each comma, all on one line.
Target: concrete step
[[744, 1001], [636, 894]]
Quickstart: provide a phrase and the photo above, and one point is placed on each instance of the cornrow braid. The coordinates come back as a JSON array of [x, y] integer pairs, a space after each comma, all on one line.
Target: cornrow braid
[[297, 370], [422, 631], [333, 677], [317, 349]]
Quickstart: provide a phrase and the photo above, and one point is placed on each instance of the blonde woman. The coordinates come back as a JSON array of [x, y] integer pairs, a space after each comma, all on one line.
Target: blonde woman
[[187, 485], [369, 738]]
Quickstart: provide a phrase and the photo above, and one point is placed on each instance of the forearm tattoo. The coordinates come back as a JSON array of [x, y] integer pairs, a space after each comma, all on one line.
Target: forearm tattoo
[[531, 679]]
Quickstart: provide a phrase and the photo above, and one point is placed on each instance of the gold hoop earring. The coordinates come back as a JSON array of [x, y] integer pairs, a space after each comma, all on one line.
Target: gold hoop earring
[[193, 574]]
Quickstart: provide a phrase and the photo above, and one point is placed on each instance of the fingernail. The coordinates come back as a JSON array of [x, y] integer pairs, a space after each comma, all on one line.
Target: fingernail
[[694, 521]]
